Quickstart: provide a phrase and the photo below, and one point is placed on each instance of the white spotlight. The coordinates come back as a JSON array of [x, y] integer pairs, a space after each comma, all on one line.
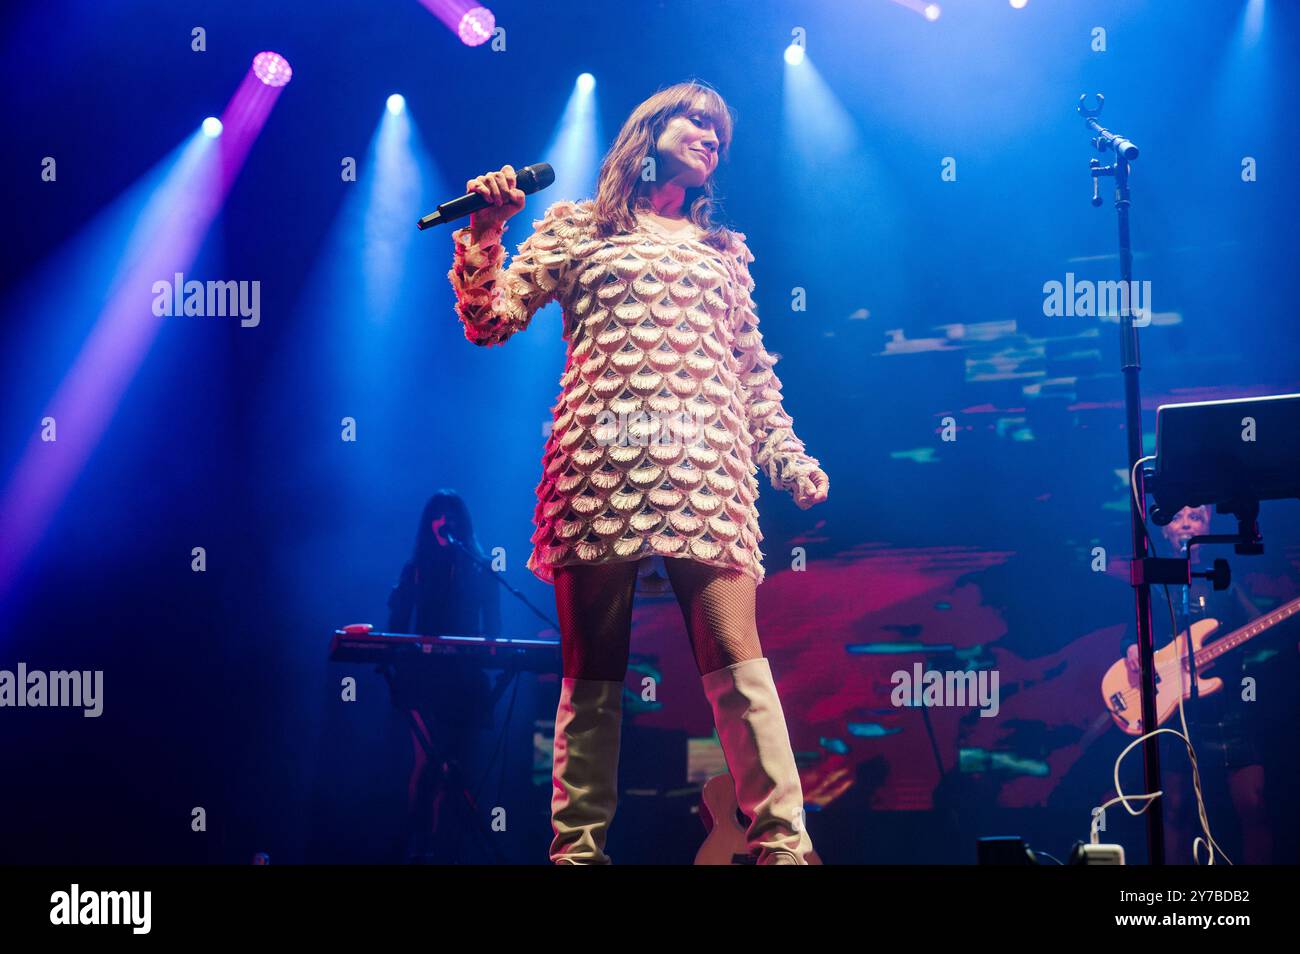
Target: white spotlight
[[586, 83], [794, 54], [396, 103], [212, 127], [931, 11]]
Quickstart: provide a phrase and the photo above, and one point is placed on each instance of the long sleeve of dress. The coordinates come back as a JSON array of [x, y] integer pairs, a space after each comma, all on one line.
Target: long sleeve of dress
[[493, 302], [777, 451]]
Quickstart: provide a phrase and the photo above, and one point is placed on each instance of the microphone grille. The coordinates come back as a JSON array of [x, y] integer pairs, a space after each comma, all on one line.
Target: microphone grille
[[537, 176]]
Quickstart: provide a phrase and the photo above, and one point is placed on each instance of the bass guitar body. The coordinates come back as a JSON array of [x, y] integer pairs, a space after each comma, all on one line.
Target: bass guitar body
[[1122, 692]]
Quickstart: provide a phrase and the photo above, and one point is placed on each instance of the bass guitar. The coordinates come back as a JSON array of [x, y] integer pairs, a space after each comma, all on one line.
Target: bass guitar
[[1123, 694]]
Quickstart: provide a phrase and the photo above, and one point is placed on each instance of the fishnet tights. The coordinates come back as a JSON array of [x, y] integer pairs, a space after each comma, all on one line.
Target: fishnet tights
[[595, 608]]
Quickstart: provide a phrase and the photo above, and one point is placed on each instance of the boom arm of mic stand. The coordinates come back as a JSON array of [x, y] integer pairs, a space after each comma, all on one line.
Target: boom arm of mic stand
[[1124, 148], [502, 580], [1105, 139]]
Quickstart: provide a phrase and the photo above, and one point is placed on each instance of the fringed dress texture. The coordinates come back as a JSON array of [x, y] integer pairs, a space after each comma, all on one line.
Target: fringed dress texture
[[668, 403]]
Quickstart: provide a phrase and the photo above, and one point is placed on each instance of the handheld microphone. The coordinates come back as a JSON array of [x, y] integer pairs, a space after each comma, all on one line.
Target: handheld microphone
[[530, 179]]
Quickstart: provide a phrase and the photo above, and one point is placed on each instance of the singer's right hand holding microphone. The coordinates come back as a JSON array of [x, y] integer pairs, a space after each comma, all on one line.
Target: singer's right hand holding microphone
[[499, 189]]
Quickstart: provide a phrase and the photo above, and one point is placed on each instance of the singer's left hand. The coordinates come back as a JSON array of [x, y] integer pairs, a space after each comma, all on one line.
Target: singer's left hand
[[812, 488]]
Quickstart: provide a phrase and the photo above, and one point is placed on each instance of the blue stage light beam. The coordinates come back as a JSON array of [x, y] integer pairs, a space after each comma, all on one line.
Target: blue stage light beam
[[818, 127], [831, 174], [1252, 22], [368, 296], [574, 147], [1245, 92], [363, 323]]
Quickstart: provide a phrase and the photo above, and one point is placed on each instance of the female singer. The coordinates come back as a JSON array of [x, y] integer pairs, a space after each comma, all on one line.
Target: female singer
[[668, 406]]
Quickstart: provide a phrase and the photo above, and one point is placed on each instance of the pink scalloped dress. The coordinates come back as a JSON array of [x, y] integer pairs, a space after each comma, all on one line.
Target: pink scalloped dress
[[668, 403]]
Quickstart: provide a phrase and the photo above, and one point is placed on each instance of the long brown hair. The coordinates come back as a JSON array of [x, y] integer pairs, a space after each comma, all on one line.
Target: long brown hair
[[620, 172]]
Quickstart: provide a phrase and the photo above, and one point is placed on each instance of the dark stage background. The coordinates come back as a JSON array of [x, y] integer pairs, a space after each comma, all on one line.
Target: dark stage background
[[924, 301]]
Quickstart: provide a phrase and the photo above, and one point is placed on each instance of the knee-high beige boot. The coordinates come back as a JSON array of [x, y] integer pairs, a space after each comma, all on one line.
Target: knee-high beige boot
[[756, 743], [584, 776]]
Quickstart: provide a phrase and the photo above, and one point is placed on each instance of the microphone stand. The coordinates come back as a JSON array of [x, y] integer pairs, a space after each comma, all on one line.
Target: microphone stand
[[508, 674], [455, 541], [1140, 576], [483, 562]]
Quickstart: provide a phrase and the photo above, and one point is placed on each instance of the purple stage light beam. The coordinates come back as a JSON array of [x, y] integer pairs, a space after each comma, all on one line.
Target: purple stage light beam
[[471, 22], [931, 11], [243, 120], [163, 241]]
